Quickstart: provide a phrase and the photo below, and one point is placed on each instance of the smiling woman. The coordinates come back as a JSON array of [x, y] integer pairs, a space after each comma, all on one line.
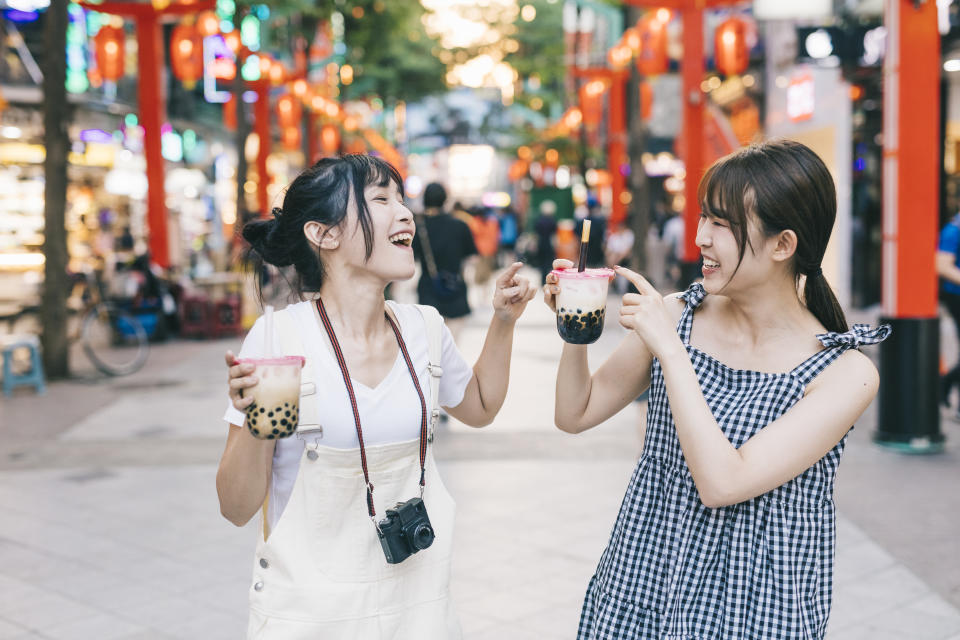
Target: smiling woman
[[375, 375]]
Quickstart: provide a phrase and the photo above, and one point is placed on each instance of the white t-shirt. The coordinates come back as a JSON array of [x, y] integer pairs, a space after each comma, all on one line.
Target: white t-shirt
[[389, 413]]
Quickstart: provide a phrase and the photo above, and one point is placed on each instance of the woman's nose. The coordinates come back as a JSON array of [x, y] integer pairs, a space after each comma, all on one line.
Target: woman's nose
[[703, 236], [405, 215]]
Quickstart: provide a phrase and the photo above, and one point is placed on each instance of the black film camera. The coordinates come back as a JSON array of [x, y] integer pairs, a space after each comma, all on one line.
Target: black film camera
[[405, 530]]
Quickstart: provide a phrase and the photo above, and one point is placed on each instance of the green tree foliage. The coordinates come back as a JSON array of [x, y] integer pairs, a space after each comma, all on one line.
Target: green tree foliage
[[538, 58]]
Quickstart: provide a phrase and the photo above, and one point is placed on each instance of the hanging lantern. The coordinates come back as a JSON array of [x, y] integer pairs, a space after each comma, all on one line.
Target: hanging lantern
[[591, 102], [731, 55], [186, 54], [329, 139], [291, 138], [109, 45], [208, 24], [288, 111], [518, 170], [652, 57]]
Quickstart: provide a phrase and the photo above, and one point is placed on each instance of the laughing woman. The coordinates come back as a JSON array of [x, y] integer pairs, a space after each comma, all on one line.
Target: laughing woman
[[727, 527], [320, 569]]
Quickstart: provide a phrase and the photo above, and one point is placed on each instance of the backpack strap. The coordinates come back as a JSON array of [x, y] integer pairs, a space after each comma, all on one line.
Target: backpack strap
[[434, 324]]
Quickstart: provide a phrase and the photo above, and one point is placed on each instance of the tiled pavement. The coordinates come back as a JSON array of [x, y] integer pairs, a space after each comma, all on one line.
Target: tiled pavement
[[109, 526]]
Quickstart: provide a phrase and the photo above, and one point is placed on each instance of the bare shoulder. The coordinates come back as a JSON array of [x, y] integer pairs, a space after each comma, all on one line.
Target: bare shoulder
[[675, 305], [852, 371]]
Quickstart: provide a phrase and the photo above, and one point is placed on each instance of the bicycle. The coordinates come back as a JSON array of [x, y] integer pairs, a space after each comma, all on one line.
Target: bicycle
[[113, 339]]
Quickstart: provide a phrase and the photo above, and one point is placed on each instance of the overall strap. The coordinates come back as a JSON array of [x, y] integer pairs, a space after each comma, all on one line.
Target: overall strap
[[836, 344], [694, 295], [356, 409], [434, 325]]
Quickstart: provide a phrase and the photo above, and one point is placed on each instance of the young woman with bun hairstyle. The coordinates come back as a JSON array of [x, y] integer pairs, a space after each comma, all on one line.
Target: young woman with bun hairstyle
[[320, 570], [727, 528]]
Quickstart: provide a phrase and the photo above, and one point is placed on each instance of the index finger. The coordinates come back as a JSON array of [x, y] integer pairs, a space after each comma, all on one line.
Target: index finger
[[638, 281], [507, 277]]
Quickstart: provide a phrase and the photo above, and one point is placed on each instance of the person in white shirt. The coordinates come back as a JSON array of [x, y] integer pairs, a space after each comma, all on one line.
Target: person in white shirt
[[320, 570]]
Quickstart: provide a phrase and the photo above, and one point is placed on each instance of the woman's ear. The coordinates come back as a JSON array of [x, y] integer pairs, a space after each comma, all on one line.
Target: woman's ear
[[319, 235], [786, 245]]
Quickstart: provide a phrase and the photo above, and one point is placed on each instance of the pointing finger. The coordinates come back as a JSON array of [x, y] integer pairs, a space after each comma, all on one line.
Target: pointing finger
[[638, 281], [507, 277]]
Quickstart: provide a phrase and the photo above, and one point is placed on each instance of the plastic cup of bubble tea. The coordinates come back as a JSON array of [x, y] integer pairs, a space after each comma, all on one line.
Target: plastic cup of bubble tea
[[275, 411], [581, 303]]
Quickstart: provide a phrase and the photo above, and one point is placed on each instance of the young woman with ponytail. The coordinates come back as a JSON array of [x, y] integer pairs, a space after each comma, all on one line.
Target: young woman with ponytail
[[727, 528], [320, 570]]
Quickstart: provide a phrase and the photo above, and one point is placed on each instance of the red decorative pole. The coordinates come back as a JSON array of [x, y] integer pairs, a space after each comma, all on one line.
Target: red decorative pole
[[617, 147], [261, 124], [692, 150], [909, 415], [150, 65]]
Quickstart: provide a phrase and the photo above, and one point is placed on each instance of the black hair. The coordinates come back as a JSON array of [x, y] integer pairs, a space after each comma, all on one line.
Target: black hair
[[784, 185], [320, 193], [434, 195]]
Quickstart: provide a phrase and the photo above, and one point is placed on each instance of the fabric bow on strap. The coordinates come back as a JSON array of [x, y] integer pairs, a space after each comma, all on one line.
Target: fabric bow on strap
[[860, 334]]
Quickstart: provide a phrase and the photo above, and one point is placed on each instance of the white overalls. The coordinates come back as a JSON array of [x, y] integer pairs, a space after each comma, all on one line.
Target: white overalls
[[321, 572]]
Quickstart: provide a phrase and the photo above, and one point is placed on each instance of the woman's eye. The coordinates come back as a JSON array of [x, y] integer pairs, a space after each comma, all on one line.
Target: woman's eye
[[380, 199], [718, 223]]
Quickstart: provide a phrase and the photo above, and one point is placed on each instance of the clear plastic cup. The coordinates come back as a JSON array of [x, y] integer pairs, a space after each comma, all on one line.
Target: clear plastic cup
[[275, 411], [581, 303]]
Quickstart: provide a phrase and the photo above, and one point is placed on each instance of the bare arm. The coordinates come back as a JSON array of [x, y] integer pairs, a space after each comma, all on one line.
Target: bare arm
[[946, 267], [487, 388], [784, 448], [245, 467], [583, 400]]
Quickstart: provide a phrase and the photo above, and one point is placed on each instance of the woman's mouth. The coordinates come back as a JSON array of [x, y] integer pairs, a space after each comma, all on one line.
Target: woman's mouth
[[709, 266], [402, 239]]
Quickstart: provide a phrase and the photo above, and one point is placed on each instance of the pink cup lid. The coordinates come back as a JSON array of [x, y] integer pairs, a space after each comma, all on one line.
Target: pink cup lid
[[285, 360], [586, 273]]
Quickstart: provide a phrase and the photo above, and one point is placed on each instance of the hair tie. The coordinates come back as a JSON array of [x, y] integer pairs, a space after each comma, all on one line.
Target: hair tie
[[276, 211], [816, 273]]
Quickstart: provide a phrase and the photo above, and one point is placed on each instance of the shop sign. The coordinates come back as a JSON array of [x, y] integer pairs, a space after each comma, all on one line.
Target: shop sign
[[800, 97], [219, 63], [780, 10], [22, 153]]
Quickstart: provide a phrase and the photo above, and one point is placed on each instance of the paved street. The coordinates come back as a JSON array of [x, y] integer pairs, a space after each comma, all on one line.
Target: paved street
[[110, 526]]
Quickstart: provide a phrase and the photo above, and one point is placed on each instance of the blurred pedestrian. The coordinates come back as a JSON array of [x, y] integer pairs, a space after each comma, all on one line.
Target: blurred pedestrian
[[486, 235], [727, 529], [320, 569], [546, 230], [673, 238], [948, 268], [442, 244], [509, 233]]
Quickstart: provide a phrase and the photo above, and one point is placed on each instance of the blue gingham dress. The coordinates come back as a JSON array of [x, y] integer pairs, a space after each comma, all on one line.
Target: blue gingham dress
[[761, 569]]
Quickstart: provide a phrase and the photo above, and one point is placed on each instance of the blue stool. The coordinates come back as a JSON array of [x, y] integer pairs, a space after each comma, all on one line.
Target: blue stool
[[34, 377]]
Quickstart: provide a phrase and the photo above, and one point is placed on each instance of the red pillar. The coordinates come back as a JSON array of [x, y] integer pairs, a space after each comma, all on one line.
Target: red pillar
[[617, 146], [909, 416], [261, 119], [313, 137], [692, 151], [150, 68]]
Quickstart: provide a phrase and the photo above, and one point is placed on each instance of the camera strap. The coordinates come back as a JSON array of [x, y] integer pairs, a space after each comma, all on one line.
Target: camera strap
[[356, 411]]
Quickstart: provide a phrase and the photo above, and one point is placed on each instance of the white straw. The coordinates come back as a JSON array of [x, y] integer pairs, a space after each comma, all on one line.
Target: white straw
[[268, 327]]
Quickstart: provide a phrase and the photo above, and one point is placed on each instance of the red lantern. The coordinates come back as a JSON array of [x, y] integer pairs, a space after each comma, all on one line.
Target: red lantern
[[731, 54], [291, 138], [288, 111], [329, 139], [652, 57], [186, 54], [591, 102], [208, 24], [109, 48]]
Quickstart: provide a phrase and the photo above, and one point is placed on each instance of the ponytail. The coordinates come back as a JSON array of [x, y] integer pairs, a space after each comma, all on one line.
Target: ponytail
[[821, 302]]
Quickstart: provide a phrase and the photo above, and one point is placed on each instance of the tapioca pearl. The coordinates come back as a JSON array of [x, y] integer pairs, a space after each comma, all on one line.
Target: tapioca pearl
[[270, 436], [255, 432], [263, 410], [284, 422], [287, 413], [273, 423], [276, 431]]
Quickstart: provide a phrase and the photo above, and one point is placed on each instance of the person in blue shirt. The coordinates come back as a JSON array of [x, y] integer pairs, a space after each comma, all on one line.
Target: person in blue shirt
[[948, 268]]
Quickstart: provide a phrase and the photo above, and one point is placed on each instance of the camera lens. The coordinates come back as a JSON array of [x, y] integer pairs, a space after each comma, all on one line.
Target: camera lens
[[422, 536]]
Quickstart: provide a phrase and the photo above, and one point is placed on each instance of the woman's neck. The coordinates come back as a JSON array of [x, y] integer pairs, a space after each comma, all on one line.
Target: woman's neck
[[768, 311], [356, 307]]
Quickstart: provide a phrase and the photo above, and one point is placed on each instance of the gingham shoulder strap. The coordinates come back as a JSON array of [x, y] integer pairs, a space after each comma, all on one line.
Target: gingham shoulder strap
[[693, 296], [836, 344]]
